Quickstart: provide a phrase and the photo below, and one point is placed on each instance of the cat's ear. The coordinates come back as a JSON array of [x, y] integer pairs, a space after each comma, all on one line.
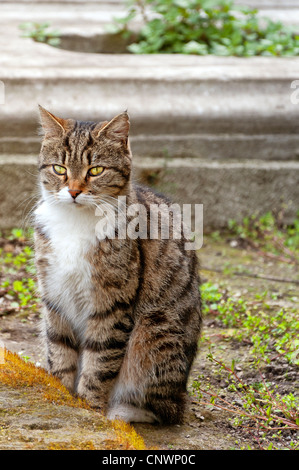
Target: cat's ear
[[117, 129], [52, 126]]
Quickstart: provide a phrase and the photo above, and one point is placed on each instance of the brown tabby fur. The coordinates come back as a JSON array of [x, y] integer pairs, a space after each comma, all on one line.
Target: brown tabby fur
[[121, 324]]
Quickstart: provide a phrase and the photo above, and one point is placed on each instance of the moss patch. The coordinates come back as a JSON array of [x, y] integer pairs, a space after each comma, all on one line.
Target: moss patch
[[38, 412]]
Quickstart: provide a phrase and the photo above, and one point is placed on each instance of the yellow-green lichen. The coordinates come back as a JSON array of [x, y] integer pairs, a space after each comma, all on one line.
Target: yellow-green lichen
[[44, 406]]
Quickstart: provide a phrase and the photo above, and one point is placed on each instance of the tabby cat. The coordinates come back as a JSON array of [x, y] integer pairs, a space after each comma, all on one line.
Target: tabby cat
[[121, 315]]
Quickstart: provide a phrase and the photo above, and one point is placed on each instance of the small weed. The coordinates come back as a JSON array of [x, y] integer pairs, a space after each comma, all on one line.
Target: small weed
[[269, 236], [268, 332], [259, 410], [17, 279], [40, 32], [25, 358], [211, 295], [19, 294]]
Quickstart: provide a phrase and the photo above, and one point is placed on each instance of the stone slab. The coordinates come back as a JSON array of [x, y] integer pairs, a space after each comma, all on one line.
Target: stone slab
[[166, 96], [227, 190], [210, 146]]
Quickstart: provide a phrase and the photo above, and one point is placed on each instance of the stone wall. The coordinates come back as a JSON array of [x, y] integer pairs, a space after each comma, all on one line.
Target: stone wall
[[221, 131]]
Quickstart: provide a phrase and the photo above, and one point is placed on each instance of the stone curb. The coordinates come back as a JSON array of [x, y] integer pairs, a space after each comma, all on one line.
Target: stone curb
[[227, 190], [167, 98]]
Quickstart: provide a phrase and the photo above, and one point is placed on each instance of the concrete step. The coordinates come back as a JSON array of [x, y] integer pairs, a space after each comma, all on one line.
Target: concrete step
[[263, 4], [220, 147], [91, 13], [210, 107], [221, 131], [227, 190]]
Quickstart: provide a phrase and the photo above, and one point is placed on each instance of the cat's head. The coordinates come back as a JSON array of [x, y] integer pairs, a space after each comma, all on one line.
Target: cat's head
[[84, 163]]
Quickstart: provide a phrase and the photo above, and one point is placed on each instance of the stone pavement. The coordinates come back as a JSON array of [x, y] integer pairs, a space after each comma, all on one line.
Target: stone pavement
[[221, 131]]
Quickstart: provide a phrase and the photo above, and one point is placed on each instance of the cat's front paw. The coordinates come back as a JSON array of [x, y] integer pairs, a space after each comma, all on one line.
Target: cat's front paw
[[95, 400]]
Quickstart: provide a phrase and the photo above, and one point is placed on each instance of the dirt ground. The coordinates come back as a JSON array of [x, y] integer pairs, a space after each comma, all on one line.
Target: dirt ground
[[246, 274]]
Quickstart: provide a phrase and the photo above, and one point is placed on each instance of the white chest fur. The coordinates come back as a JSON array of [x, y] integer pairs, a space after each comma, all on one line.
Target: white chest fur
[[71, 231]]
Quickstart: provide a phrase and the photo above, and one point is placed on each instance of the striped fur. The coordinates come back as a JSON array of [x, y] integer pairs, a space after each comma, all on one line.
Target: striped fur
[[122, 316]]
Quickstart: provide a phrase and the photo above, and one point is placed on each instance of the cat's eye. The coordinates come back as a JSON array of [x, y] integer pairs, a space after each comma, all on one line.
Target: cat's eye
[[95, 171], [59, 170]]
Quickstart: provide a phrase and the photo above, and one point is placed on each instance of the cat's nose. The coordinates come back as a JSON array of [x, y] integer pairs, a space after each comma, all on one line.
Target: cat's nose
[[75, 192]]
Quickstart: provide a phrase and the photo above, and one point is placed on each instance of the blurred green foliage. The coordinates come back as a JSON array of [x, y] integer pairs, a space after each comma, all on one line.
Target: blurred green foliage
[[202, 27], [40, 32]]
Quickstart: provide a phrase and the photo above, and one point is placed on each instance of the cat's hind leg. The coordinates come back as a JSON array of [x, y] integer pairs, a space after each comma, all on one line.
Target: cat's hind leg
[[153, 376]]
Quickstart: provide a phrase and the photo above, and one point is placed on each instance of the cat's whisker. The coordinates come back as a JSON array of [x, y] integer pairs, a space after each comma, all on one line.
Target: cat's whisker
[[28, 201], [52, 200], [106, 207], [115, 199], [121, 205], [28, 218], [112, 210], [122, 210], [32, 174], [119, 208], [29, 198]]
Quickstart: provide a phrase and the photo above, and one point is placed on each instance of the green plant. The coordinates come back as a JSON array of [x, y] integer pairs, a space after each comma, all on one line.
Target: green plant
[[211, 295], [18, 234], [261, 411], [270, 332], [40, 32], [270, 235], [24, 290], [12, 262], [22, 293], [203, 27], [17, 284]]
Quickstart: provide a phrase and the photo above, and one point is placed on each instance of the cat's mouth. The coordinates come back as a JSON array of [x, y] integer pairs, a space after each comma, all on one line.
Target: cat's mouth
[[78, 204], [73, 199]]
